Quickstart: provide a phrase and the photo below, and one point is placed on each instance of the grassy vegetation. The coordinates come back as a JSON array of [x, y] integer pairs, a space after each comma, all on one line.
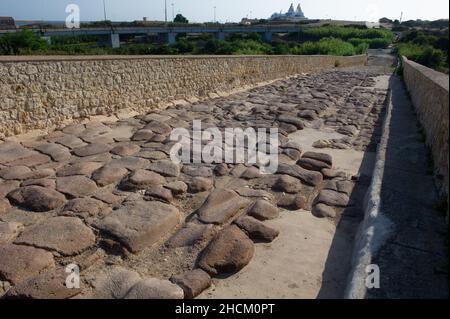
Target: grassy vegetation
[[327, 40], [427, 47]]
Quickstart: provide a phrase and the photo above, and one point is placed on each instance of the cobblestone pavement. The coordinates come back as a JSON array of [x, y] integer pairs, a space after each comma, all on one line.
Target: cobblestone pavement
[[107, 197]]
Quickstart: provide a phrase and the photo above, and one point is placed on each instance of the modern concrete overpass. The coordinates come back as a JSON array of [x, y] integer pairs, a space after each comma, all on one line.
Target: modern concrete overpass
[[170, 32]]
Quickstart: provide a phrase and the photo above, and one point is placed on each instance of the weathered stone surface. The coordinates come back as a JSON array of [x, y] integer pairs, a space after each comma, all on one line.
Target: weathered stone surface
[[308, 177], [221, 169], [115, 283], [308, 115], [31, 161], [253, 193], [298, 123], [220, 206], [18, 263], [178, 188], [153, 288], [165, 168], [332, 198], [159, 193], [48, 285], [264, 210], [15, 173], [70, 141], [140, 224], [8, 186], [43, 182], [81, 168], [230, 251], [107, 175], [256, 230], [200, 184], [125, 150], [4, 206], [238, 170], [143, 135], [12, 151], [129, 162], [37, 198], [288, 184], [158, 127], [292, 202], [9, 231], [75, 186], [92, 149], [322, 157], [141, 179], [193, 282], [109, 198], [293, 154], [312, 164], [331, 173], [345, 187], [85, 207], [57, 152], [321, 210], [66, 235], [251, 173], [189, 235], [197, 171]]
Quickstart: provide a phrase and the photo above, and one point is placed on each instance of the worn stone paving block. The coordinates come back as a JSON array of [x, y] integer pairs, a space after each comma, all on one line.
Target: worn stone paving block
[[48, 285], [57, 152], [153, 288], [12, 151], [75, 186], [227, 253], [193, 282], [18, 263], [66, 235], [140, 224], [37, 198], [220, 206]]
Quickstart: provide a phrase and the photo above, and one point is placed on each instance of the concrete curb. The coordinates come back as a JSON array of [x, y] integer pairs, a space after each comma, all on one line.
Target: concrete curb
[[375, 228]]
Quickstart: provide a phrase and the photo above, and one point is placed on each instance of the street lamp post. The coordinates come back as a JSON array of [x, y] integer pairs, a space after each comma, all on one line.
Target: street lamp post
[[173, 11], [215, 20], [165, 10], [104, 9]]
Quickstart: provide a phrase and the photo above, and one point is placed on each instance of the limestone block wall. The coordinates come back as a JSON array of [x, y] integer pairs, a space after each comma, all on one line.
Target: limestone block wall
[[49, 91], [429, 93]]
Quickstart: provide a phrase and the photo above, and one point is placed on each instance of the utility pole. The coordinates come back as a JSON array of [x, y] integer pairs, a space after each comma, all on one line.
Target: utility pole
[[173, 11], [104, 10], [165, 10], [215, 14], [401, 17]]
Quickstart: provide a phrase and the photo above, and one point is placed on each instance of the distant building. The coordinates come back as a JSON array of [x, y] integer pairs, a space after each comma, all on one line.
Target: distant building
[[7, 23], [291, 15]]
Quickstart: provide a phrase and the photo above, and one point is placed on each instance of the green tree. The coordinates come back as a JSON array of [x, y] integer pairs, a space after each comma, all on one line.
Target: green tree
[[180, 19], [24, 41]]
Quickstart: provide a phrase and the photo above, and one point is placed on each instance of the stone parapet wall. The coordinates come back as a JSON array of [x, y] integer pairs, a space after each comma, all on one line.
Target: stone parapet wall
[[429, 93], [49, 91]]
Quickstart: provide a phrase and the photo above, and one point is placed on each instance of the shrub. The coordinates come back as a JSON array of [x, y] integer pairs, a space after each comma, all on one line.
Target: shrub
[[24, 41]]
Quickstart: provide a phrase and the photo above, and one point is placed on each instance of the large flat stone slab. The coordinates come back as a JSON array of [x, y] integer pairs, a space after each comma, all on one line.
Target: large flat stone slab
[[75, 186], [37, 198], [66, 235], [18, 263], [220, 206], [140, 224]]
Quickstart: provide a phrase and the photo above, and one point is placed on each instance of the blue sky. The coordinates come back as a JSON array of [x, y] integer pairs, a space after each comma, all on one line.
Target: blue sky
[[227, 10]]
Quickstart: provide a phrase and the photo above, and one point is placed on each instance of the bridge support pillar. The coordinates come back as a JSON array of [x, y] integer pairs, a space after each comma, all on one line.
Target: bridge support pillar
[[114, 40], [267, 36], [171, 38], [220, 35]]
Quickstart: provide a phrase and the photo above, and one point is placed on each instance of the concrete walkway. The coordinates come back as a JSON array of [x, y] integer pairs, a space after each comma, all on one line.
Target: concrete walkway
[[414, 260]]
